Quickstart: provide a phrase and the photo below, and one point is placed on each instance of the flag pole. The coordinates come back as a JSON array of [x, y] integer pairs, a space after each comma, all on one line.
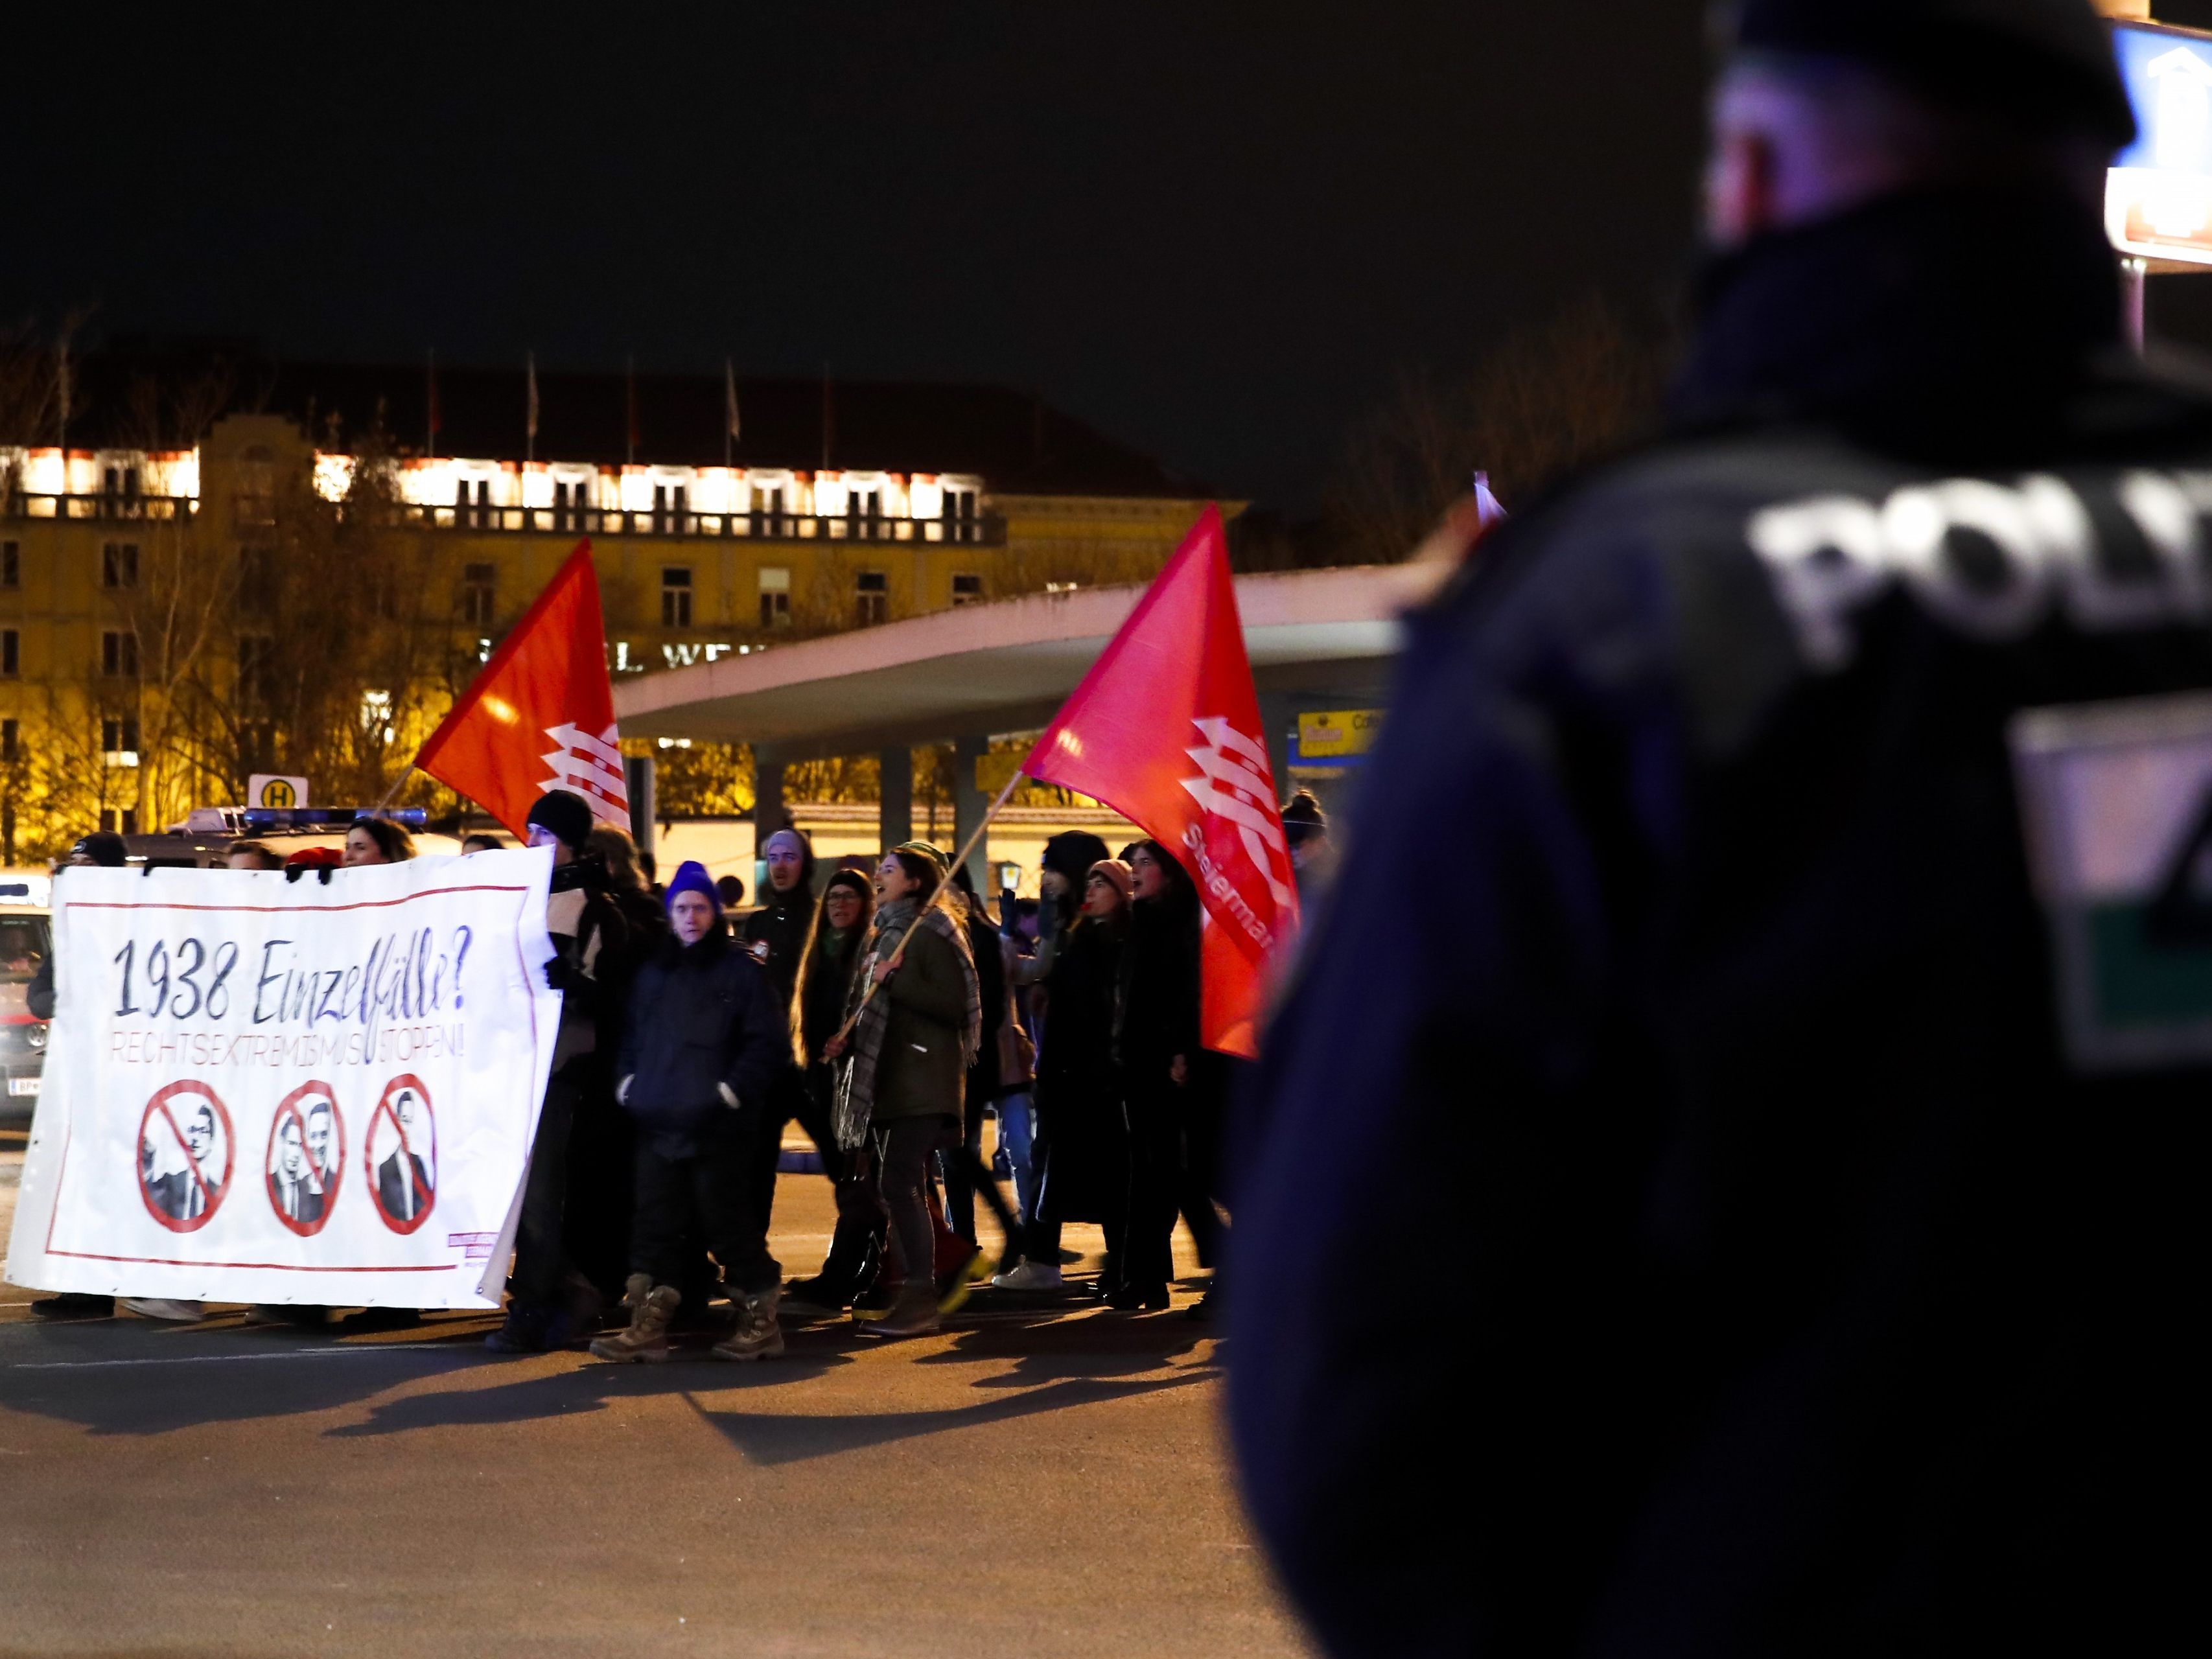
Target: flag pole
[[392, 794], [935, 898]]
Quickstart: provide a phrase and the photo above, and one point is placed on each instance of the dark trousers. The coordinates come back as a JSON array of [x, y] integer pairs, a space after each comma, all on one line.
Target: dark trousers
[[1203, 1112], [541, 1259], [805, 1097], [1153, 1112], [966, 1174], [903, 1149], [712, 1187]]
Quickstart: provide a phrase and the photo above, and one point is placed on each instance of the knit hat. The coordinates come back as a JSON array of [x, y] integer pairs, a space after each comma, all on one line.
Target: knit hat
[[1071, 852], [691, 877], [315, 858], [564, 815], [1303, 819], [923, 849], [1123, 878], [2046, 66], [104, 847]]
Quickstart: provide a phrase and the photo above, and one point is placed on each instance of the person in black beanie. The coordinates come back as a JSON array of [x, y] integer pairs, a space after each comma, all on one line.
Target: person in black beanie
[[554, 1300], [1821, 1211]]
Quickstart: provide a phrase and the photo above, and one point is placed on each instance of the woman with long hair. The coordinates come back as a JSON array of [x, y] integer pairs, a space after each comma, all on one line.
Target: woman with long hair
[[378, 840], [828, 963], [915, 1019]]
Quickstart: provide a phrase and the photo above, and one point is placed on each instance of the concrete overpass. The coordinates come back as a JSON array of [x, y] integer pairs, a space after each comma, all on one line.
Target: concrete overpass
[[1318, 639]]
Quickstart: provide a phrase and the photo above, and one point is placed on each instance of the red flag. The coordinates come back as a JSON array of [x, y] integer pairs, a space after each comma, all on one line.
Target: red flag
[[541, 716], [1165, 729]]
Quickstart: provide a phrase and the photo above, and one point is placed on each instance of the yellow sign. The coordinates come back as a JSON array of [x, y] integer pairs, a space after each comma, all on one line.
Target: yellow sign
[[278, 790], [1338, 734]]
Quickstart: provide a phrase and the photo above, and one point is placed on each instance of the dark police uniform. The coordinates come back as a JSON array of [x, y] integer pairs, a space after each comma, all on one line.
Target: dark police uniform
[[1795, 1096]]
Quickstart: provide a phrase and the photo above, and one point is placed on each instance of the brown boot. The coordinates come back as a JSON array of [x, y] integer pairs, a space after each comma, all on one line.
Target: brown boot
[[916, 1314], [646, 1337], [757, 1336]]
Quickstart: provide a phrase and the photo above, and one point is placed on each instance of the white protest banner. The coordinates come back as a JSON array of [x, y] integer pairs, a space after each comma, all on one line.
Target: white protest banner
[[264, 1090]]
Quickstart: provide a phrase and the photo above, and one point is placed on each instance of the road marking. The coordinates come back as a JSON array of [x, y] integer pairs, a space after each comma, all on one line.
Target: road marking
[[227, 1358]]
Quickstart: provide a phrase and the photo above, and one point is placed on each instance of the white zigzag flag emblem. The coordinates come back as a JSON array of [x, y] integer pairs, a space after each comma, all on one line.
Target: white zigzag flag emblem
[[591, 767], [1234, 784]]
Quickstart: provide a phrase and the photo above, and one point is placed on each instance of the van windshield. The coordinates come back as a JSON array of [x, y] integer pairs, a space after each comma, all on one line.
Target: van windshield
[[23, 945]]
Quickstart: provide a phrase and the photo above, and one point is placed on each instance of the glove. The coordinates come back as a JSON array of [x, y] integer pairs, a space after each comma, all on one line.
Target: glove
[[729, 1095], [557, 974], [621, 1089]]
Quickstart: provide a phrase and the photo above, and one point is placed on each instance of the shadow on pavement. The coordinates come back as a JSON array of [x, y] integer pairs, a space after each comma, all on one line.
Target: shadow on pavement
[[773, 1438]]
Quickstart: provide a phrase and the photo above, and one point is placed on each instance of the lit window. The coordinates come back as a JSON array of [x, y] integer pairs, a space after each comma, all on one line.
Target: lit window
[[571, 497], [871, 597], [774, 597], [967, 590], [119, 742], [675, 596]]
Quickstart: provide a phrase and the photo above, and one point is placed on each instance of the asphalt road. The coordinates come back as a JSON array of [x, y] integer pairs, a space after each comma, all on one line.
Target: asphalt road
[[1033, 1482]]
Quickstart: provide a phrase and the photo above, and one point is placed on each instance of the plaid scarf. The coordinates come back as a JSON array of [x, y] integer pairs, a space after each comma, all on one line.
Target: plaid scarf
[[855, 1097]]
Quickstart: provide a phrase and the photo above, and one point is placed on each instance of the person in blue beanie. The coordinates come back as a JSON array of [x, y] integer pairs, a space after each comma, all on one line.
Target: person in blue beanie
[[706, 1039]]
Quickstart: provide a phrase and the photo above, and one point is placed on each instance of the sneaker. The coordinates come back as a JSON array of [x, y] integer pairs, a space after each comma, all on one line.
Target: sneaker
[[73, 1304], [162, 1308], [757, 1336], [1129, 1298], [1030, 1276]]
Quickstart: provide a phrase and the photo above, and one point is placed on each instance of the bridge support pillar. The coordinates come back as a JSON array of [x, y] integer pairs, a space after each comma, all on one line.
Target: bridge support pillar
[[969, 803], [895, 815]]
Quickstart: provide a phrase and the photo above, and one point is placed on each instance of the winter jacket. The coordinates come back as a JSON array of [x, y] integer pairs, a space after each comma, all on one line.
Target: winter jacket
[[983, 945], [1077, 1093], [777, 935], [919, 1072], [1156, 1004], [1814, 1286], [706, 1034]]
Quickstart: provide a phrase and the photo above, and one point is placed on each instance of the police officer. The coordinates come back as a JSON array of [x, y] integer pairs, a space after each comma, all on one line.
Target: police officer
[[1803, 1282]]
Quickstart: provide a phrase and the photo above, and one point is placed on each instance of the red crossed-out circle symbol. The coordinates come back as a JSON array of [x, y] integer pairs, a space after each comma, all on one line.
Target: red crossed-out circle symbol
[[312, 1207], [184, 1199], [404, 1183]]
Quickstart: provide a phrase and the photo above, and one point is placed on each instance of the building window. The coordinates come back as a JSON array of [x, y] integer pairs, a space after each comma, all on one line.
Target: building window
[[118, 564], [118, 654], [774, 596], [472, 503], [256, 579], [257, 660], [960, 524], [11, 564], [11, 649], [669, 504], [253, 492], [570, 499], [967, 590], [119, 742], [10, 736], [872, 594], [768, 510], [126, 822], [479, 592], [675, 596]]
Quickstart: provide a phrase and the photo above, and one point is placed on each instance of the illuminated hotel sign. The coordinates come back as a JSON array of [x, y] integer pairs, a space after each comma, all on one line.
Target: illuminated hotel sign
[[2158, 196]]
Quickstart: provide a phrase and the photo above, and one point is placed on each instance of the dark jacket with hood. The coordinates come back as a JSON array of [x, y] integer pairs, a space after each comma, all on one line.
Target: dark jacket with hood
[[703, 1018], [1078, 1095], [777, 930], [1156, 1004], [1814, 1291]]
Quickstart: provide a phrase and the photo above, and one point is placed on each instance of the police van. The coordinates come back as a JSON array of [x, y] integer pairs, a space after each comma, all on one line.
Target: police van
[[25, 938], [204, 839]]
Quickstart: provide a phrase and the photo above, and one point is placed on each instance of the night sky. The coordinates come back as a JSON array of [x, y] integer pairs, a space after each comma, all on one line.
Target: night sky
[[1218, 232]]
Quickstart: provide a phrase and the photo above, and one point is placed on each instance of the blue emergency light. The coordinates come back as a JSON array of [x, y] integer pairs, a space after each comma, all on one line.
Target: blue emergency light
[[259, 819]]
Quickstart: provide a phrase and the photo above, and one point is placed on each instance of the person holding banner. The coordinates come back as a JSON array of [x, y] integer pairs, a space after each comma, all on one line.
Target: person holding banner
[[705, 1042]]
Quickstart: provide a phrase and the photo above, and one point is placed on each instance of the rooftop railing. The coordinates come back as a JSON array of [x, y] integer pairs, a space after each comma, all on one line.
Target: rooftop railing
[[29, 504], [985, 530]]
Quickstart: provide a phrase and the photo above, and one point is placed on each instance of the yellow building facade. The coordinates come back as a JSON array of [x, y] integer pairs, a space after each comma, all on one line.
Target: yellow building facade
[[272, 597]]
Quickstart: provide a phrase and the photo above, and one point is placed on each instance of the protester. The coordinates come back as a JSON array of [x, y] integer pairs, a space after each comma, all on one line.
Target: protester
[[1159, 1065], [775, 934], [378, 840], [704, 1042], [482, 840], [1305, 831], [964, 1171], [1082, 1142], [106, 850], [909, 1045], [827, 969], [730, 892], [627, 888], [251, 855], [553, 1302], [1807, 1285], [1017, 1109]]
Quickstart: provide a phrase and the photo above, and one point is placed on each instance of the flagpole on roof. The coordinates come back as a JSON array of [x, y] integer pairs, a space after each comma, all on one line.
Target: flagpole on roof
[[530, 414], [729, 422]]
